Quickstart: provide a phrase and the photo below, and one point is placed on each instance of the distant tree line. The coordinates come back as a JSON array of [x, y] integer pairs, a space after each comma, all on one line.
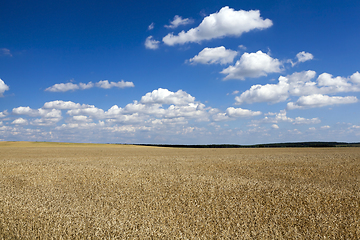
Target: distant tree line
[[268, 145]]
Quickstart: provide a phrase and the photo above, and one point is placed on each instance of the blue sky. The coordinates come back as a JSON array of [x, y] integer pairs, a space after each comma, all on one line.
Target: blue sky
[[179, 72]]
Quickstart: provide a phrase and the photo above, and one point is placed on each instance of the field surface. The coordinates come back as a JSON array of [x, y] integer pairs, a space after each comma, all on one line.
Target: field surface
[[90, 191]]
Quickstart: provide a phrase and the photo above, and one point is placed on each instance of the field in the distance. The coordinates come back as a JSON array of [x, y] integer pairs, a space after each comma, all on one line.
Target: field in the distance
[[77, 191]]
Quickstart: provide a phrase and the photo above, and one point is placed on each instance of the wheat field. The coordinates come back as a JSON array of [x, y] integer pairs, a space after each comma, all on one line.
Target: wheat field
[[90, 191]]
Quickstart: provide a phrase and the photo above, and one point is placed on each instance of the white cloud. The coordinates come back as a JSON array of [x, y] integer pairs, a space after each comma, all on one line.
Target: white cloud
[[301, 120], [278, 117], [47, 116], [253, 65], [178, 20], [3, 87], [239, 112], [325, 127], [121, 84], [304, 56], [232, 113], [87, 111], [3, 113], [218, 55], [82, 126], [86, 85], [62, 87], [330, 84], [20, 121], [151, 43], [226, 22], [151, 26], [150, 108], [47, 113], [300, 84], [319, 100], [274, 126], [81, 118], [294, 131], [136, 107], [5, 51], [221, 117], [164, 96], [59, 104], [355, 78], [282, 117], [326, 79], [195, 111], [272, 93], [296, 84], [45, 121]]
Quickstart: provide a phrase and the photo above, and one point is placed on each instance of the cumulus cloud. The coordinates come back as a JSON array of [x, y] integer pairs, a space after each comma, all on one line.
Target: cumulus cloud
[[59, 104], [239, 112], [274, 126], [91, 111], [300, 84], [151, 43], [81, 118], [272, 93], [45, 121], [48, 113], [3, 113], [355, 78], [194, 111], [221, 117], [253, 65], [82, 126], [149, 110], [64, 87], [178, 21], [301, 120], [86, 85], [304, 56], [319, 100], [226, 22], [164, 96], [3, 87], [121, 84], [47, 116], [20, 121], [326, 79], [281, 116], [218, 55], [275, 118], [232, 113]]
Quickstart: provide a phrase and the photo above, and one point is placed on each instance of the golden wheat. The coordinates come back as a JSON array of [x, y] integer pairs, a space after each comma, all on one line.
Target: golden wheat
[[77, 191]]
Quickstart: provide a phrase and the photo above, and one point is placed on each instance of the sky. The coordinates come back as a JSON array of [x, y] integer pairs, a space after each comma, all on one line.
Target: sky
[[180, 72]]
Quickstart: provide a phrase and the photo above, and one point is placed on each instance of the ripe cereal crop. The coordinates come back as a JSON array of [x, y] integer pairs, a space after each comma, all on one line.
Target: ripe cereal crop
[[94, 191]]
